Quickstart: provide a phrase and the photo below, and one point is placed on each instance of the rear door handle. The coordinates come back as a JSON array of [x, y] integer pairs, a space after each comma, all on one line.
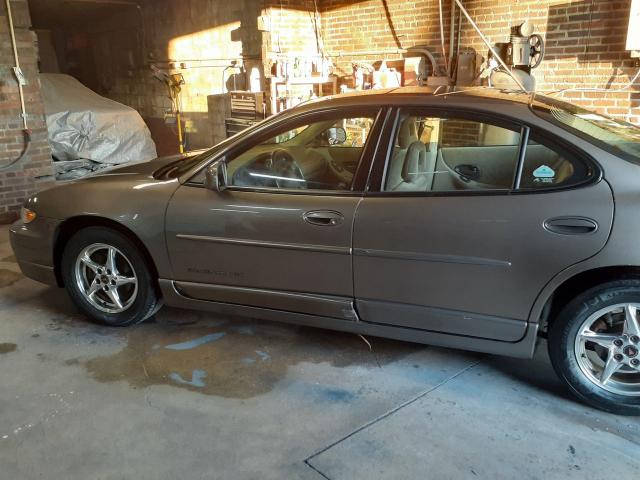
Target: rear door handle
[[323, 218], [571, 225]]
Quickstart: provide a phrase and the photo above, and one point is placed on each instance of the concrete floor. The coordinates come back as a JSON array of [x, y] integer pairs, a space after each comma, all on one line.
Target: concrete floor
[[195, 396]]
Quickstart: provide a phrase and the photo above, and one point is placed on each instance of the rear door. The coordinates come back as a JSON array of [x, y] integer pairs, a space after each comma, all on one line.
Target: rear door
[[280, 235], [466, 238]]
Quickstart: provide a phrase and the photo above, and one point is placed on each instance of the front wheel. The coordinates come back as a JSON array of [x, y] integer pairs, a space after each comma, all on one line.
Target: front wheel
[[594, 346], [108, 278]]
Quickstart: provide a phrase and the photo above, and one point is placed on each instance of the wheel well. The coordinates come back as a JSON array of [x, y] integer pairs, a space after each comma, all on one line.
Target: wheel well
[[577, 284], [71, 226]]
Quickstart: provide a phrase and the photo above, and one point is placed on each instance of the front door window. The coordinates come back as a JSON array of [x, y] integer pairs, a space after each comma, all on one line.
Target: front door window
[[322, 155]]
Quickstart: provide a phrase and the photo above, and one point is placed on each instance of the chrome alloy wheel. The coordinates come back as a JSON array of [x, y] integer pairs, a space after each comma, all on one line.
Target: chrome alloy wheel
[[106, 278], [607, 348]]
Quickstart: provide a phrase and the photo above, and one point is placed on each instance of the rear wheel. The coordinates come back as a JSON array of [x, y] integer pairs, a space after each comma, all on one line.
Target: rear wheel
[[108, 278], [594, 346]]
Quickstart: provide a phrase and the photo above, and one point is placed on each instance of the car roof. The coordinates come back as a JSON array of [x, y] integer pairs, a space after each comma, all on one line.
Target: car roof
[[428, 95]]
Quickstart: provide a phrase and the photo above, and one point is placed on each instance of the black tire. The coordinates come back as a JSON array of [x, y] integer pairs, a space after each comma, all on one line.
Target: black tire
[[147, 300], [561, 344]]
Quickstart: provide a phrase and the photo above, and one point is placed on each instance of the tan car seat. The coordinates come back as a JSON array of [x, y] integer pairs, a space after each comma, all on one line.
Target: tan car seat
[[410, 169]]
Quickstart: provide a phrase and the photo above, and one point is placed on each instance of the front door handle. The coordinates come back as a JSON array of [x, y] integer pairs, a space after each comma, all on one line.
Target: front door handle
[[571, 225], [323, 218]]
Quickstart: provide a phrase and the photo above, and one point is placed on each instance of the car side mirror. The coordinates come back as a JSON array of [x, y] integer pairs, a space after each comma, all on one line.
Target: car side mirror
[[216, 176], [336, 135]]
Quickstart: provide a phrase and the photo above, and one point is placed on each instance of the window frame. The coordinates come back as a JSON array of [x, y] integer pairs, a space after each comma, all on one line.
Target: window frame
[[384, 155], [369, 150]]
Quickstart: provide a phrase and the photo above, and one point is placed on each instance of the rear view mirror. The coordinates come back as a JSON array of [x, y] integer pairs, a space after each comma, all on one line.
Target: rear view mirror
[[216, 176], [336, 135]]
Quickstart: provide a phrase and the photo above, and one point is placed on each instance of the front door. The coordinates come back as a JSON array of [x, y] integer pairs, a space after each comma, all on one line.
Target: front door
[[449, 246], [280, 235]]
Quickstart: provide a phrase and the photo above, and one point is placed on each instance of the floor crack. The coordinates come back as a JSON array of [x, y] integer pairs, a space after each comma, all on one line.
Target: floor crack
[[148, 401], [387, 414], [308, 464]]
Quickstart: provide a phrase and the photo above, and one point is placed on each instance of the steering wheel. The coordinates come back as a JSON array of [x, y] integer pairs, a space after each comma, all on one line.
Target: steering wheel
[[340, 172], [287, 171]]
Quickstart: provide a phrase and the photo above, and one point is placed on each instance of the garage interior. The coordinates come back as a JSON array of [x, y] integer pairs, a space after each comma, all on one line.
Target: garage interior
[[222, 69], [258, 399]]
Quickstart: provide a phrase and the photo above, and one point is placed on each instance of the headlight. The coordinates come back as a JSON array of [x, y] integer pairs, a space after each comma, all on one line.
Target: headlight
[[27, 215]]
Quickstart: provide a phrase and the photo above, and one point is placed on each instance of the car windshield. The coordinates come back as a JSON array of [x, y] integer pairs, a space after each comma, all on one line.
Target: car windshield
[[183, 165], [286, 136], [616, 136]]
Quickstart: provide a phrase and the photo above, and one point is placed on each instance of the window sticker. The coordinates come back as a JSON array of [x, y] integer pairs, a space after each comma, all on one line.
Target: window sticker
[[544, 174]]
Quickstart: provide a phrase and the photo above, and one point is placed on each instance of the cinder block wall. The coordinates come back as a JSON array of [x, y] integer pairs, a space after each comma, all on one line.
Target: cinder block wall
[[194, 37], [197, 39], [585, 40], [35, 170]]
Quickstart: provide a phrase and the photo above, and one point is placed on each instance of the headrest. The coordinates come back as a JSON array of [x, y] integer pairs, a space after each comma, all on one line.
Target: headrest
[[408, 132], [415, 162]]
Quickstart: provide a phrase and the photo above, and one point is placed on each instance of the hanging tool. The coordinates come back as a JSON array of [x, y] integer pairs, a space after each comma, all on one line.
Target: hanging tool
[[17, 71], [175, 87], [174, 83]]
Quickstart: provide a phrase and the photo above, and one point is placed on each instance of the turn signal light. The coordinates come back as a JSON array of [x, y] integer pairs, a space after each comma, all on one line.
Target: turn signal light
[[27, 215]]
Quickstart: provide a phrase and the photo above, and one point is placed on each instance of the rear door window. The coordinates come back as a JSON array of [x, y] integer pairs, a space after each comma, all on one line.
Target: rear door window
[[436, 154]]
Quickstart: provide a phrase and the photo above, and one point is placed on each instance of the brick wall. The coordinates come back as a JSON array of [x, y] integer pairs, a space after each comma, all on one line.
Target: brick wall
[[585, 48], [199, 38], [585, 40], [460, 133], [292, 25], [379, 27], [34, 172]]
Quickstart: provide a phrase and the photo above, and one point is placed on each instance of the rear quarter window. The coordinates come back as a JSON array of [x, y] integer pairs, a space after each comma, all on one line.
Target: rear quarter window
[[548, 167]]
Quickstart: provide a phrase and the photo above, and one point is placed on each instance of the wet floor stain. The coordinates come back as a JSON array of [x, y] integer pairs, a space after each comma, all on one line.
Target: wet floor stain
[[197, 378], [237, 359], [196, 342], [263, 355], [338, 395], [7, 347], [8, 277]]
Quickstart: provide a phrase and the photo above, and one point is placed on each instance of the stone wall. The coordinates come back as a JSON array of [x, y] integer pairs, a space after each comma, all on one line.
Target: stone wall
[[34, 171]]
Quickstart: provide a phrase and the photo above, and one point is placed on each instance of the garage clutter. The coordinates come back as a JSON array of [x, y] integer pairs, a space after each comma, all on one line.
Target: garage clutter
[[89, 133]]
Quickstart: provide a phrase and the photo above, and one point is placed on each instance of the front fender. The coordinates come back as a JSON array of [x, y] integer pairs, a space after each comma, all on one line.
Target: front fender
[[131, 203]]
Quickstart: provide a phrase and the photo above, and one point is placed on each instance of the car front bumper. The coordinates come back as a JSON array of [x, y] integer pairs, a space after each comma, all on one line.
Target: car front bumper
[[32, 245]]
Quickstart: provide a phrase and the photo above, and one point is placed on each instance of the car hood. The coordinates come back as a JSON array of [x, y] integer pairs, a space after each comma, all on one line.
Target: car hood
[[117, 194], [145, 168]]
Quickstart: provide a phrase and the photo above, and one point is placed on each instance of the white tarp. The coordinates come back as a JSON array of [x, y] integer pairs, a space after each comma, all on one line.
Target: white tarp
[[84, 125]]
